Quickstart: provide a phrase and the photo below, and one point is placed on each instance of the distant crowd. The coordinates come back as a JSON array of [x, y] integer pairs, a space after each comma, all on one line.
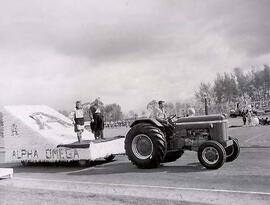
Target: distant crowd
[[250, 117], [264, 121], [116, 124]]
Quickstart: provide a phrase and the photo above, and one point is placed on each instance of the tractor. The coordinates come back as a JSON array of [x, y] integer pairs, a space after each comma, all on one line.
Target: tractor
[[151, 142]]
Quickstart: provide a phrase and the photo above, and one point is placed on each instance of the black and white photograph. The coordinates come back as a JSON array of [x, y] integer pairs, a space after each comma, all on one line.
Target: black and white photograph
[[134, 102]]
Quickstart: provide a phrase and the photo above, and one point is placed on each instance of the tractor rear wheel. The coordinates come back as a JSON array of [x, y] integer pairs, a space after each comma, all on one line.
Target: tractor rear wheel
[[145, 145], [172, 156], [233, 151], [211, 154]]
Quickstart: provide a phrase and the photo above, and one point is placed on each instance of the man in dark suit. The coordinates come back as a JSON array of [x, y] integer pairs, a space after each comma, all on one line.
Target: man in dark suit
[[97, 122]]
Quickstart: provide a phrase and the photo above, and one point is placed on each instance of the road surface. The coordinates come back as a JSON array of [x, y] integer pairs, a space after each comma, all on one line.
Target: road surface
[[244, 181]]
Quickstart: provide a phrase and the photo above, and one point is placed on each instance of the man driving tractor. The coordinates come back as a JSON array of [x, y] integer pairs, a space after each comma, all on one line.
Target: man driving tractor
[[160, 113]]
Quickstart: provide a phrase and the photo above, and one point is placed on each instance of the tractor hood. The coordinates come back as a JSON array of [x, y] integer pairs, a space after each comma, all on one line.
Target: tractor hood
[[202, 118]]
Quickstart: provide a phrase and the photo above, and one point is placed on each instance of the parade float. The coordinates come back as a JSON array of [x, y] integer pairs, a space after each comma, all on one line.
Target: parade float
[[38, 133]]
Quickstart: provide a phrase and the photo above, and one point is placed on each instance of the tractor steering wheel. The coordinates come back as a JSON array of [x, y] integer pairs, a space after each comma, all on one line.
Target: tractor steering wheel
[[170, 118]]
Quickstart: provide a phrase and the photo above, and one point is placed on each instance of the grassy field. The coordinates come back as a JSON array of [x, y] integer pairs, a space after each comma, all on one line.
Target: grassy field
[[111, 132], [248, 136]]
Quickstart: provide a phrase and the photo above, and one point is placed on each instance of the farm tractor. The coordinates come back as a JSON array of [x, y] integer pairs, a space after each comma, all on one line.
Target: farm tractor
[[150, 142]]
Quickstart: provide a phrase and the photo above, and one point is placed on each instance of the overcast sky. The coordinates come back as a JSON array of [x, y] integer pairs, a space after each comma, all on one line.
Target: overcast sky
[[125, 51]]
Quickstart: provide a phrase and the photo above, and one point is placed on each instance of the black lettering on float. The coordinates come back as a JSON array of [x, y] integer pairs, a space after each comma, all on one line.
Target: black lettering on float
[[29, 154], [68, 154], [76, 154], [35, 154], [48, 154], [23, 153], [55, 154], [61, 153], [18, 156]]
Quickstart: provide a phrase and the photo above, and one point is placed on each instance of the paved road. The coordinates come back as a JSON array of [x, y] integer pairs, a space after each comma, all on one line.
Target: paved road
[[244, 181]]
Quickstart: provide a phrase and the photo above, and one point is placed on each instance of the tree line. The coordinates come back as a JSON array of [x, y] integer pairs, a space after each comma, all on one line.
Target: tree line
[[237, 86], [227, 88]]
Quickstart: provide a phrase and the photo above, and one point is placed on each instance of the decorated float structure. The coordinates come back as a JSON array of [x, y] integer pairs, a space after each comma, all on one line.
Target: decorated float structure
[[38, 133]]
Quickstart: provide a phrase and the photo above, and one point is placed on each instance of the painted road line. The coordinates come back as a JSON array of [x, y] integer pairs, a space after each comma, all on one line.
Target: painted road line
[[147, 186]]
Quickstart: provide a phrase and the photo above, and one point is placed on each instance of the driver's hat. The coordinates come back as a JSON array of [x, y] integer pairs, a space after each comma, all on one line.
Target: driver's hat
[[161, 101]]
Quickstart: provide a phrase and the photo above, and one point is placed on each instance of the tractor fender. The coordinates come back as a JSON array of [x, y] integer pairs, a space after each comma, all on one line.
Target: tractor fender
[[147, 120]]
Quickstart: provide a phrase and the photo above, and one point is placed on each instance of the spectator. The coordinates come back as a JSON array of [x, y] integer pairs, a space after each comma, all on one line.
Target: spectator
[[244, 116], [254, 120], [97, 122], [191, 112], [78, 120], [249, 115]]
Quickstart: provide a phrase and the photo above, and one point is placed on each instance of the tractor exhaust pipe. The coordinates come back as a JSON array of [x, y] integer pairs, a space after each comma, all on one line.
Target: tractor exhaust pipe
[[205, 106]]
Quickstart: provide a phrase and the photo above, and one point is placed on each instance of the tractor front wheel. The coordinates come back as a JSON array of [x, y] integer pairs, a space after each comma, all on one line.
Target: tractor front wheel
[[233, 151], [145, 145], [211, 155]]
